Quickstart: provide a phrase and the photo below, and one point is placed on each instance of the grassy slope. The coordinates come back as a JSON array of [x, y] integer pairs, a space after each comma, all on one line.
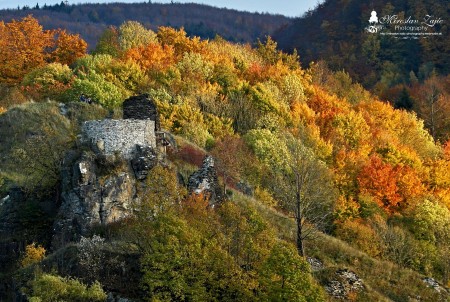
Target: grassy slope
[[384, 280]]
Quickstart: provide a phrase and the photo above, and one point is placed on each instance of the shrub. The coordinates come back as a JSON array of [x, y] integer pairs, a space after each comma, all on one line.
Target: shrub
[[33, 254], [49, 81], [360, 235], [51, 288]]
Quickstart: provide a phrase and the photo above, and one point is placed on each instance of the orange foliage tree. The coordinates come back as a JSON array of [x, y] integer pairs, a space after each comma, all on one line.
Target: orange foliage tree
[[23, 48], [68, 48], [24, 45], [379, 180], [392, 187], [152, 57]]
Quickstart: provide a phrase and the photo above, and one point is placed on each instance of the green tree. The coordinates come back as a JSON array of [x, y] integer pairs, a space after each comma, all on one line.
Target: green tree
[[300, 181], [50, 81], [305, 189], [108, 43], [134, 34], [404, 100], [285, 277], [96, 87]]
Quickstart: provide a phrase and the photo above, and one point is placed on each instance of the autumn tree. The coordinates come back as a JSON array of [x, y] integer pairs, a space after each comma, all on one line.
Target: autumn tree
[[228, 154], [378, 179], [180, 41], [23, 48], [305, 189], [301, 183], [152, 57], [432, 102], [133, 34], [33, 253], [68, 48], [392, 187], [49, 81]]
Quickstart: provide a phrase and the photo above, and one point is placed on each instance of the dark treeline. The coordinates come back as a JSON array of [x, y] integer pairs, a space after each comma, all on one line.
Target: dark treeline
[[90, 20], [335, 32]]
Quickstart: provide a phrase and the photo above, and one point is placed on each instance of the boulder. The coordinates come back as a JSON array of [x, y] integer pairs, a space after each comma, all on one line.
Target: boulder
[[205, 181], [346, 282]]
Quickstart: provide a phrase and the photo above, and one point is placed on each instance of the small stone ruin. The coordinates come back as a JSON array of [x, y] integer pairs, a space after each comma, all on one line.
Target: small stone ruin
[[141, 107], [138, 127]]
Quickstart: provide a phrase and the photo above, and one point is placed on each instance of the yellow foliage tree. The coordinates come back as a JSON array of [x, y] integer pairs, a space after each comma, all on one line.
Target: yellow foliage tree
[[33, 254]]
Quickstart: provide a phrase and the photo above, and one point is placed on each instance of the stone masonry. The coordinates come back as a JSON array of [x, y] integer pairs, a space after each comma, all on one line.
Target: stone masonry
[[141, 107], [110, 136]]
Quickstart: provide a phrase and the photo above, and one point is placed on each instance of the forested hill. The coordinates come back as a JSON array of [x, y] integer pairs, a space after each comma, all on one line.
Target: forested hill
[[90, 20], [305, 163], [335, 32]]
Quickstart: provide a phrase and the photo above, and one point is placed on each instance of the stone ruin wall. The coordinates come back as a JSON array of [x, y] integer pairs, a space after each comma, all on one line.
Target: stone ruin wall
[[112, 136]]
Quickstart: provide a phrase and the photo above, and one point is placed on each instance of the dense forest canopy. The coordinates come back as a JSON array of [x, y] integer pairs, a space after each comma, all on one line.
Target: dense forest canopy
[[411, 73]]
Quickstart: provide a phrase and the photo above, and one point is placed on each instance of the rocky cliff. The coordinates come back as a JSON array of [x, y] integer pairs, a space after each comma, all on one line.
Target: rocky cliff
[[98, 190], [205, 181]]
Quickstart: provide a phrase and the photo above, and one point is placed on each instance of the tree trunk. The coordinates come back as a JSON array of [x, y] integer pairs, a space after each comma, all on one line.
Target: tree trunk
[[298, 218]]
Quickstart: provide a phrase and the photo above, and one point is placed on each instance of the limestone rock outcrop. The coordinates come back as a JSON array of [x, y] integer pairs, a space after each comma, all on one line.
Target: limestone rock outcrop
[[99, 183], [344, 283], [98, 189], [205, 181], [144, 159]]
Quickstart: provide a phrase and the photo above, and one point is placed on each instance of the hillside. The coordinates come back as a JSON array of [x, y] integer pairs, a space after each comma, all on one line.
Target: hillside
[[268, 181], [90, 20], [410, 72], [335, 32]]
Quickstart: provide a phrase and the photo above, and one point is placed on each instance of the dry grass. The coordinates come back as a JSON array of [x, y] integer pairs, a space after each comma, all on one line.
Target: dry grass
[[384, 280]]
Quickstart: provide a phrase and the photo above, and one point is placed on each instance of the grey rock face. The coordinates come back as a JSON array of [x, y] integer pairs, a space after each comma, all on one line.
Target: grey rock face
[[205, 181], [434, 284], [94, 193], [144, 159]]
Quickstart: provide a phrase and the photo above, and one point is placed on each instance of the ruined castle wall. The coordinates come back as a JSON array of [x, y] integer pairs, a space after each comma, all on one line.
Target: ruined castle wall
[[119, 135]]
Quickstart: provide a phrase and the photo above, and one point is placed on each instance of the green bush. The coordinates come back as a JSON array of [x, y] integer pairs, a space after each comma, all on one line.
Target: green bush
[[96, 87], [49, 81], [51, 288]]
